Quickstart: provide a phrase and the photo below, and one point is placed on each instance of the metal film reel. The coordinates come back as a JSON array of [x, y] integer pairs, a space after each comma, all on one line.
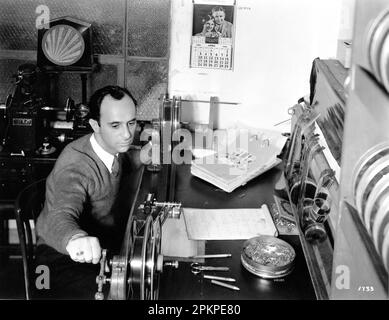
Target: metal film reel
[[385, 250], [378, 48], [120, 288], [119, 278], [368, 166], [371, 196], [380, 226], [135, 275], [146, 261]]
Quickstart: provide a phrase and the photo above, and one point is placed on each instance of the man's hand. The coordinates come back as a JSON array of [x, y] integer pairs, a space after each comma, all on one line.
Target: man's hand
[[84, 248]]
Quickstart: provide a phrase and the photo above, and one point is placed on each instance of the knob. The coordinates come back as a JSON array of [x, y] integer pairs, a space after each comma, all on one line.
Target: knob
[[173, 264], [175, 212]]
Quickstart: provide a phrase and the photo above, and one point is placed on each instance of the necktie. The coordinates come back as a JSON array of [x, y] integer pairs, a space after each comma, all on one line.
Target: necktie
[[115, 166]]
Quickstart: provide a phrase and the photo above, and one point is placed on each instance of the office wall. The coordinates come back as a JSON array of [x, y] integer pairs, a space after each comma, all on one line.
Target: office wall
[[275, 44], [130, 42], [347, 19], [276, 41]]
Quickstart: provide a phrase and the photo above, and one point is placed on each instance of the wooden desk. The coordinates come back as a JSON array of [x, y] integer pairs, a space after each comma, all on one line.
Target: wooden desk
[[182, 284]]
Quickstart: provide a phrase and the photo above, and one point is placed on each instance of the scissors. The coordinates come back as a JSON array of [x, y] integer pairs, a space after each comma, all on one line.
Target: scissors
[[197, 268]]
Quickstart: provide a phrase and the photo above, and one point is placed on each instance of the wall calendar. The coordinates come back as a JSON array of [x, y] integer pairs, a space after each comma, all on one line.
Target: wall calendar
[[212, 37]]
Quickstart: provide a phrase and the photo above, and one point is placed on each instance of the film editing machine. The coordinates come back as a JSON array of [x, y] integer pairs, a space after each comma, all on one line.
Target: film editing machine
[[32, 121], [135, 272]]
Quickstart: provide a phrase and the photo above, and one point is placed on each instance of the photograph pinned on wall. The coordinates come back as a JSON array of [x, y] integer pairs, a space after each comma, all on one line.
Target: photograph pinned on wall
[[212, 36]]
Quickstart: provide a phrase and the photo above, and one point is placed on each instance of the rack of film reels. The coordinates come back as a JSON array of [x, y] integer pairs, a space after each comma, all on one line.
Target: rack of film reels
[[361, 256]]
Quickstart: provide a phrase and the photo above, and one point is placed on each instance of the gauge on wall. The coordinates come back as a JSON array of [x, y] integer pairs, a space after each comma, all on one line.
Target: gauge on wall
[[63, 45]]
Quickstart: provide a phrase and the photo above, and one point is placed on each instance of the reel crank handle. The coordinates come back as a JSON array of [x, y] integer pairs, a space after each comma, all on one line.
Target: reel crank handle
[[102, 279]]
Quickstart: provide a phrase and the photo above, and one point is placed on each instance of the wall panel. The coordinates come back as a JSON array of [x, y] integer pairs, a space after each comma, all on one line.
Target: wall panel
[[18, 19], [147, 34]]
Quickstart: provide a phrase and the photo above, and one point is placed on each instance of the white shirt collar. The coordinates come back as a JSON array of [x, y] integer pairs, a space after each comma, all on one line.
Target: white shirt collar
[[104, 156]]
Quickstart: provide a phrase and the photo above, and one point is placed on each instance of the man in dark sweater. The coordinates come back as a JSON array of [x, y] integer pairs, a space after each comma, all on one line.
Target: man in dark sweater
[[82, 214]]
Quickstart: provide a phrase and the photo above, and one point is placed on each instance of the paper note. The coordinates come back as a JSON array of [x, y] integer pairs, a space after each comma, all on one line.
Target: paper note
[[175, 242], [228, 224]]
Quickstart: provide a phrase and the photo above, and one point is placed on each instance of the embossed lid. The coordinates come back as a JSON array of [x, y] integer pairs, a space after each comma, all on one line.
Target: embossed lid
[[268, 257]]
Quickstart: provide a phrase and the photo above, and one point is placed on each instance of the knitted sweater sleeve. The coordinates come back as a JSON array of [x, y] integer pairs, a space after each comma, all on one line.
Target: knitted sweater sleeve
[[66, 195]]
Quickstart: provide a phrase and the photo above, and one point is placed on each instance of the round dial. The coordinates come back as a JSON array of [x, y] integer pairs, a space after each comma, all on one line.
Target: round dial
[[63, 45]]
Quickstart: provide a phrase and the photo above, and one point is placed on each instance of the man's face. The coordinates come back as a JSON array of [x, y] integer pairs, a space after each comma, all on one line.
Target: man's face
[[219, 16], [117, 124]]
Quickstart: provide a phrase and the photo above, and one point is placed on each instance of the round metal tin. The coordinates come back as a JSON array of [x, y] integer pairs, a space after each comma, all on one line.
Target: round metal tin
[[268, 257]]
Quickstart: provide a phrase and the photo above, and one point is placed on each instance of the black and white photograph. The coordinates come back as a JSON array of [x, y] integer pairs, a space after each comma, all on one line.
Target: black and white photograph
[[213, 21], [212, 36], [194, 158]]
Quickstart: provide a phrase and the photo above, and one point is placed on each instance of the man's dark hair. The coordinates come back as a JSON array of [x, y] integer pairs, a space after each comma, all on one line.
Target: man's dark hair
[[115, 92]]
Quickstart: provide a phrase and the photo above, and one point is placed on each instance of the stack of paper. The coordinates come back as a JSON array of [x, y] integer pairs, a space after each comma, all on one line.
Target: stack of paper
[[240, 162], [228, 224]]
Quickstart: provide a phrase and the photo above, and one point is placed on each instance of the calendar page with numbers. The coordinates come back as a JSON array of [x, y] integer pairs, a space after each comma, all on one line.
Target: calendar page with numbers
[[215, 56], [212, 37]]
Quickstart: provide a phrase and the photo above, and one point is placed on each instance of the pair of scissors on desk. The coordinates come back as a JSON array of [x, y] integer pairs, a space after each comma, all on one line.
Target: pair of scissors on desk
[[197, 268]]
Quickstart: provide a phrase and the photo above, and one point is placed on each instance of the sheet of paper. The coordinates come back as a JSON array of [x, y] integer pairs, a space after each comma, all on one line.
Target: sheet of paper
[[228, 224], [175, 242]]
